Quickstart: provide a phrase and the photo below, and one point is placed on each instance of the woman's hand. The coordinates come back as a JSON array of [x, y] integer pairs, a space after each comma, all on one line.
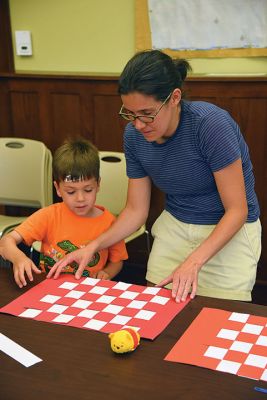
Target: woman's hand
[[81, 256], [184, 279]]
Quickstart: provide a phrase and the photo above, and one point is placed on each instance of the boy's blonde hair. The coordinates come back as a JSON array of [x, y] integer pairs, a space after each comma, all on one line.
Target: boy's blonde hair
[[76, 160]]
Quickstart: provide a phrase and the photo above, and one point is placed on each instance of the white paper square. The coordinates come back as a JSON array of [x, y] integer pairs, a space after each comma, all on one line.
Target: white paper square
[[228, 334], [243, 347], [88, 313], [98, 290], [128, 295], [145, 314], [50, 298], [95, 324], [63, 318], [256, 361], [75, 294], [159, 300], [68, 285], [82, 303], [112, 309], [137, 304], [262, 340], [30, 313], [90, 281], [239, 317], [252, 328], [215, 352], [120, 319], [151, 290], [122, 286], [228, 366], [57, 308], [264, 376], [105, 299]]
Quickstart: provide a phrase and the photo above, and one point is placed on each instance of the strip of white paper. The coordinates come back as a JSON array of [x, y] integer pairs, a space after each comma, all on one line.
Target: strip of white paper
[[17, 352]]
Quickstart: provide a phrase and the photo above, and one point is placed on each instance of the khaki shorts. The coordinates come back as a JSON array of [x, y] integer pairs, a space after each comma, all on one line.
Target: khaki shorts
[[230, 274]]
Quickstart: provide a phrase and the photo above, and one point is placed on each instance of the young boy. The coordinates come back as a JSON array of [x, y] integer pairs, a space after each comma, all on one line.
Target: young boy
[[63, 227]]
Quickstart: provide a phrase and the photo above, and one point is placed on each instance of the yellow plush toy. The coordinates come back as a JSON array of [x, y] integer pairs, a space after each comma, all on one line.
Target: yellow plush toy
[[124, 340]]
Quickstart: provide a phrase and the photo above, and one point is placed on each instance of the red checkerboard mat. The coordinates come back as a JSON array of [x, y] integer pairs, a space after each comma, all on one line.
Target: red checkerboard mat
[[225, 341], [101, 305]]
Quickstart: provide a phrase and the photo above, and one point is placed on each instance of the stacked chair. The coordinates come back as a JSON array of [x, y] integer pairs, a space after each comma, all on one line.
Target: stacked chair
[[25, 177]]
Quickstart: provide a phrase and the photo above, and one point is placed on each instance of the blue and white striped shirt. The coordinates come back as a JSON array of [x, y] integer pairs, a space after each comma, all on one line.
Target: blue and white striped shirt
[[206, 140]]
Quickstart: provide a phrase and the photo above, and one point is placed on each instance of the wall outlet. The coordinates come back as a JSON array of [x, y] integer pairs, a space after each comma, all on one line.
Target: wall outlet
[[23, 43]]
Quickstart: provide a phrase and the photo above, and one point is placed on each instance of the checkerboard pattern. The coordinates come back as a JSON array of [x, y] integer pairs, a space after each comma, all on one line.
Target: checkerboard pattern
[[225, 341], [101, 305]]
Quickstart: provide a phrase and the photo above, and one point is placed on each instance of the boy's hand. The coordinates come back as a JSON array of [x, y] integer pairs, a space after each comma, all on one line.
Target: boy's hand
[[102, 275], [24, 266]]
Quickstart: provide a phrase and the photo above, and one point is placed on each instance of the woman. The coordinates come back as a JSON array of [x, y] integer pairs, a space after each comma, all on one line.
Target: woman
[[207, 241]]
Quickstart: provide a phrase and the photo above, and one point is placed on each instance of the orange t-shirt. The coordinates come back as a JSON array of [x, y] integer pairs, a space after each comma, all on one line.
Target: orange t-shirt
[[61, 231]]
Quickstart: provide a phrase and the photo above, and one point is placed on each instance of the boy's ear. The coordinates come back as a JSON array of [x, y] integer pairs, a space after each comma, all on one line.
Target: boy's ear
[[57, 189]]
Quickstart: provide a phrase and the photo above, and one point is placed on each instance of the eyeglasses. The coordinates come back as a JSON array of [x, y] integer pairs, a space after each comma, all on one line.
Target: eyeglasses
[[147, 119]]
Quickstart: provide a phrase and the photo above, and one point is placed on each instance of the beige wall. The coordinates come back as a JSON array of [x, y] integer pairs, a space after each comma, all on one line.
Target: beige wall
[[94, 36], [75, 35]]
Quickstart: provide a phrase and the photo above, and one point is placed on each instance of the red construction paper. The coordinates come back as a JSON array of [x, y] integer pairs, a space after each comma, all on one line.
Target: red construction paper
[[239, 340], [102, 305]]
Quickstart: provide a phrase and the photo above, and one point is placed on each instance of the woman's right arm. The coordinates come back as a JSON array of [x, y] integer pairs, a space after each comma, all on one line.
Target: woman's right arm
[[130, 219]]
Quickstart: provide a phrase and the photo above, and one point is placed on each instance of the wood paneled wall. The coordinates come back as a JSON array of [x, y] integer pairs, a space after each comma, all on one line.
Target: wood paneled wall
[[6, 48], [51, 108]]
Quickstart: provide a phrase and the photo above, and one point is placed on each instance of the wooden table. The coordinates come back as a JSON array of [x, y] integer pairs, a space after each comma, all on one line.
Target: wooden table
[[79, 364]]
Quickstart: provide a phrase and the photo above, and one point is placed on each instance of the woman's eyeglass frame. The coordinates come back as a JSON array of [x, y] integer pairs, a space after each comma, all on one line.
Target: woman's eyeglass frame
[[147, 119]]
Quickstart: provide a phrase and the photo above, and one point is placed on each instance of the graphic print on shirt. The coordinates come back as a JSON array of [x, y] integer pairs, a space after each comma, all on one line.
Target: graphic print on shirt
[[48, 261]]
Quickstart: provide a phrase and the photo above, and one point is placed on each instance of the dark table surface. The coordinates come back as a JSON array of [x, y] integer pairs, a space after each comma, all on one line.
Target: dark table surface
[[79, 364]]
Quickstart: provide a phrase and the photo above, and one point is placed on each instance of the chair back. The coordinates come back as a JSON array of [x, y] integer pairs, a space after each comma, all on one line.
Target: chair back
[[114, 181], [25, 173]]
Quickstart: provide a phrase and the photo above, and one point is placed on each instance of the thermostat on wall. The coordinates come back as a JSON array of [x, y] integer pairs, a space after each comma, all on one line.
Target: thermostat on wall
[[23, 43]]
